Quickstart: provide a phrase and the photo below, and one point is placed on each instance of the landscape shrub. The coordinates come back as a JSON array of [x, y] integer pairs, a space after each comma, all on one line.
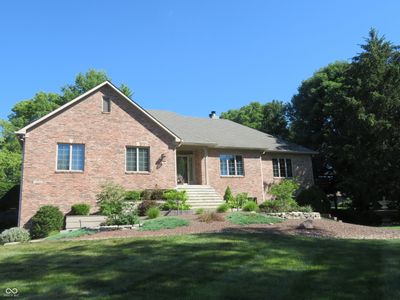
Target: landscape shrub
[[146, 195], [199, 211], [48, 219], [157, 194], [284, 190], [144, 206], [132, 196], [153, 212], [345, 204], [175, 200], [250, 206], [15, 234], [238, 201], [315, 197], [111, 199], [274, 206], [124, 218], [222, 208], [210, 216], [228, 196], [80, 209], [283, 197], [305, 208]]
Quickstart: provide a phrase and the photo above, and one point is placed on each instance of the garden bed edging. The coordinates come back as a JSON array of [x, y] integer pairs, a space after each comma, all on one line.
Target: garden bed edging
[[296, 215]]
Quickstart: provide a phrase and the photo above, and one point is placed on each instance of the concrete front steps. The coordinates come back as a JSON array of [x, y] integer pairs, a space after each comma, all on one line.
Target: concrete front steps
[[201, 196]]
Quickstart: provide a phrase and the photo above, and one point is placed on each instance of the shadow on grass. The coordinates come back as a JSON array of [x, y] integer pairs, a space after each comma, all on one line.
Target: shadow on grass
[[206, 266]]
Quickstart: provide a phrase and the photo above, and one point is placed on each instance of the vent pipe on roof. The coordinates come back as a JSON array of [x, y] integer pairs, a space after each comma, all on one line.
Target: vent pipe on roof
[[213, 115]]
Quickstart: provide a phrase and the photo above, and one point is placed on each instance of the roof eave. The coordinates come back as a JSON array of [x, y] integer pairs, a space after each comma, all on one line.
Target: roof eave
[[215, 145], [310, 152]]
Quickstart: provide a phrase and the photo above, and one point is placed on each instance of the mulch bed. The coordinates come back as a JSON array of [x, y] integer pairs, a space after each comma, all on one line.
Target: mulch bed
[[322, 228]]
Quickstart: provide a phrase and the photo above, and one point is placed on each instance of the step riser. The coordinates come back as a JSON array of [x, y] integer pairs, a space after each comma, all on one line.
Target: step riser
[[208, 197], [205, 202], [204, 206], [202, 196]]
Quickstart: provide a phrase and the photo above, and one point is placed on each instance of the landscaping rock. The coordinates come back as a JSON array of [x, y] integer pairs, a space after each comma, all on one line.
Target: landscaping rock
[[296, 215], [307, 224]]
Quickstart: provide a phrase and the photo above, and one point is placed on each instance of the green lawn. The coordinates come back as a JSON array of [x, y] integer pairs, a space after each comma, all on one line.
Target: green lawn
[[208, 266]]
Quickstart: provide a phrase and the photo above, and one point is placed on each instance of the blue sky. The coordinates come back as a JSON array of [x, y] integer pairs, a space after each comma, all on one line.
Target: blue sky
[[186, 56]]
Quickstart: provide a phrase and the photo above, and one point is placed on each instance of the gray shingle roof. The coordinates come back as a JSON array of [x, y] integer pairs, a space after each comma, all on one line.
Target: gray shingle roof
[[222, 133]]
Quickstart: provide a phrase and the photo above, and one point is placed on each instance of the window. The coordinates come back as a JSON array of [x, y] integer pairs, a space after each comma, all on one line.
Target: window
[[106, 105], [70, 157], [231, 165], [282, 167], [137, 159]]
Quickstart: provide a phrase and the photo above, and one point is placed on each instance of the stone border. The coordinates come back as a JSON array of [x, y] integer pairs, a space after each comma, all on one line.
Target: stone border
[[296, 215]]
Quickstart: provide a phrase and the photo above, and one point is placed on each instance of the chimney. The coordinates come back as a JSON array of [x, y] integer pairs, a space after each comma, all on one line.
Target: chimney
[[213, 115]]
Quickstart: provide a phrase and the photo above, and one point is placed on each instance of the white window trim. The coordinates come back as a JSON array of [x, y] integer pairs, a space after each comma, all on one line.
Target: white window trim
[[70, 159], [279, 168], [137, 160], [227, 165]]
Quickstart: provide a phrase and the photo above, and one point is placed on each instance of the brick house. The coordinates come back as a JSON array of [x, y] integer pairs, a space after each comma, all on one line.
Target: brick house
[[104, 136]]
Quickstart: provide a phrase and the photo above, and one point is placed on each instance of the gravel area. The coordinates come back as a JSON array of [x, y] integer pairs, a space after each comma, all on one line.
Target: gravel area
[[322, 228]]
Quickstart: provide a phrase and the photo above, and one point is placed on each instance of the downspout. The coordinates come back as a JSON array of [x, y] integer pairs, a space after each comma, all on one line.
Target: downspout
[[262, 177]]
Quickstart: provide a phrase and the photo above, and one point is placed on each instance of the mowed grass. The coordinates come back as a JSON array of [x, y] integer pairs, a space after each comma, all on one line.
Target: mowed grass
[[208, 266]]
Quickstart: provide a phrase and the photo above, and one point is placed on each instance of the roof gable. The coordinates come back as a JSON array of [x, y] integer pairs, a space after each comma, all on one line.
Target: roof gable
[[23, 130]]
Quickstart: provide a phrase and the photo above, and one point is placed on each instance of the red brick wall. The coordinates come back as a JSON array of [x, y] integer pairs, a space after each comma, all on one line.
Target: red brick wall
[[301, 165], [105, 137], [258, 172], [250, 183]]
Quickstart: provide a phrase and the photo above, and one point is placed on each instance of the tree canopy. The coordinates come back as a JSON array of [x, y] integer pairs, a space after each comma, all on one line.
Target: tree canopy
[[270, 117], [350, 112]]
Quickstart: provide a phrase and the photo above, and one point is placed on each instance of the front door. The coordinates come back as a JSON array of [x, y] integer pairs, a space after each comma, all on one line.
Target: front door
[[184, 169]]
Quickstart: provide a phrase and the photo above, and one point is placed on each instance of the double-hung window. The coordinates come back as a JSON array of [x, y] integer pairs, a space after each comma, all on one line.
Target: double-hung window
[[282, 167], [70, 157], [231, 165], [137, 159]]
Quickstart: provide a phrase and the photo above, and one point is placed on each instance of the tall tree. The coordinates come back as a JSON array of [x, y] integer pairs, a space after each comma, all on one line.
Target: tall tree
[[350, 113], [250, 115], [314, 119], [275, 120]]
